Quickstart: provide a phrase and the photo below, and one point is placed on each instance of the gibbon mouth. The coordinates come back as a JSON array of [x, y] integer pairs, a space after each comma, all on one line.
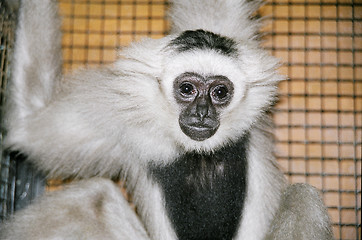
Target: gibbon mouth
[[198, 132]]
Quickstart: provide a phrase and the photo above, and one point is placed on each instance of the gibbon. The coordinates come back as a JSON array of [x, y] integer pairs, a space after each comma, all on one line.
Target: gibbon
[[184, 120]]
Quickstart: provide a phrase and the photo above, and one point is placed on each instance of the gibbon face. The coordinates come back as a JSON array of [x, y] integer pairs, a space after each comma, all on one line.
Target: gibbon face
[[201, 98]]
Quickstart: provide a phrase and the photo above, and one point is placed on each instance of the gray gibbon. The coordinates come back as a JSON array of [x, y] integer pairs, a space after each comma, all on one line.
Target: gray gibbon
[[184, 120]]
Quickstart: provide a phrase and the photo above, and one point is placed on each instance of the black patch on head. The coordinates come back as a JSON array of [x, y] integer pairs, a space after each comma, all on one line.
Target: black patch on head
[[205, 193], [200, 39]]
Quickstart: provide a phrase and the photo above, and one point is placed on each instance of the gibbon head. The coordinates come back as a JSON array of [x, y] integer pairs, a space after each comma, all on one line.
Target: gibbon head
[[203, 89], [218, 86]]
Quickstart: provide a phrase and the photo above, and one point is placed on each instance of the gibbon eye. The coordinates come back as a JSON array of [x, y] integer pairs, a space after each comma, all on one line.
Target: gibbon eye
[[220, 92], [187, 89]]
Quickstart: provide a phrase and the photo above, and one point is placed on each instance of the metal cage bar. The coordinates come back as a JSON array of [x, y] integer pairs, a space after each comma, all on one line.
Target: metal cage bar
[[7, 172]]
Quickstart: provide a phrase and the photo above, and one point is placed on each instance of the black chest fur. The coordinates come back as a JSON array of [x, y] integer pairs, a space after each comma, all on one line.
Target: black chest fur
[[205, 193]]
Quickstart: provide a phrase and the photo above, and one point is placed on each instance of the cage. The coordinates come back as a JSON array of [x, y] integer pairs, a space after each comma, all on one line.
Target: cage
[[318, 118]]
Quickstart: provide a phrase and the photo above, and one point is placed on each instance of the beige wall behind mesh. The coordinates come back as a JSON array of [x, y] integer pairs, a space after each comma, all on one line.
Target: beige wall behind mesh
[[319, 116]]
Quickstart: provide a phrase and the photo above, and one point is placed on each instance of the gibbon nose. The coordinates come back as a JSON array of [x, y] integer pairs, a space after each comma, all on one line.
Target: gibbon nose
[[202, 111]]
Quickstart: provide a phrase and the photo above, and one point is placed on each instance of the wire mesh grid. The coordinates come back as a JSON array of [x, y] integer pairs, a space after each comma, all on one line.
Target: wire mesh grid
[[7, 27], [319, 116], [94, 29]]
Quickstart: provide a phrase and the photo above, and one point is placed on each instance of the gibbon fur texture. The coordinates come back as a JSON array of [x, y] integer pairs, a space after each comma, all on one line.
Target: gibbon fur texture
[[182, 119]]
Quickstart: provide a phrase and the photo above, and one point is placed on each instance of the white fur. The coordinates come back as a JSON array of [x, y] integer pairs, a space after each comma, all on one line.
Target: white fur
[[229, 18], [265, 182], [31, 73], [116, 120], [301, 215], [96, 207]]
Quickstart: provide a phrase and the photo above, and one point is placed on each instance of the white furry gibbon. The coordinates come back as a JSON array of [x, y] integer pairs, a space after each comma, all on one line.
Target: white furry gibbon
[[182, 119]]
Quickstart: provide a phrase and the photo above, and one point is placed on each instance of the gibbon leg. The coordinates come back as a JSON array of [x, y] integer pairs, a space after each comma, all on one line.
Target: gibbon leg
[[302, 215], [89, 209]]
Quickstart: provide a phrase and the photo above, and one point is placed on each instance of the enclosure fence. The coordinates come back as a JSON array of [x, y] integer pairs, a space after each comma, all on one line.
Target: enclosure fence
[[7, 173], [318, 118]]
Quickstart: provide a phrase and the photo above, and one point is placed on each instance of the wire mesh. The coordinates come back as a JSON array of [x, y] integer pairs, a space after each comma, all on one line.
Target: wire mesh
[[94, 29], [319, 116], [7, 176]]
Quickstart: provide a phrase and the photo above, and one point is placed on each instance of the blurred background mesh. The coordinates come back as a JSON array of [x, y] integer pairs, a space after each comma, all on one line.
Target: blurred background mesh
[[319, 116]]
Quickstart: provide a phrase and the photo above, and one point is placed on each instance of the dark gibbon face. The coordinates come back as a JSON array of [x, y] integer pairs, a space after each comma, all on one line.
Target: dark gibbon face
[[201, 99]]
